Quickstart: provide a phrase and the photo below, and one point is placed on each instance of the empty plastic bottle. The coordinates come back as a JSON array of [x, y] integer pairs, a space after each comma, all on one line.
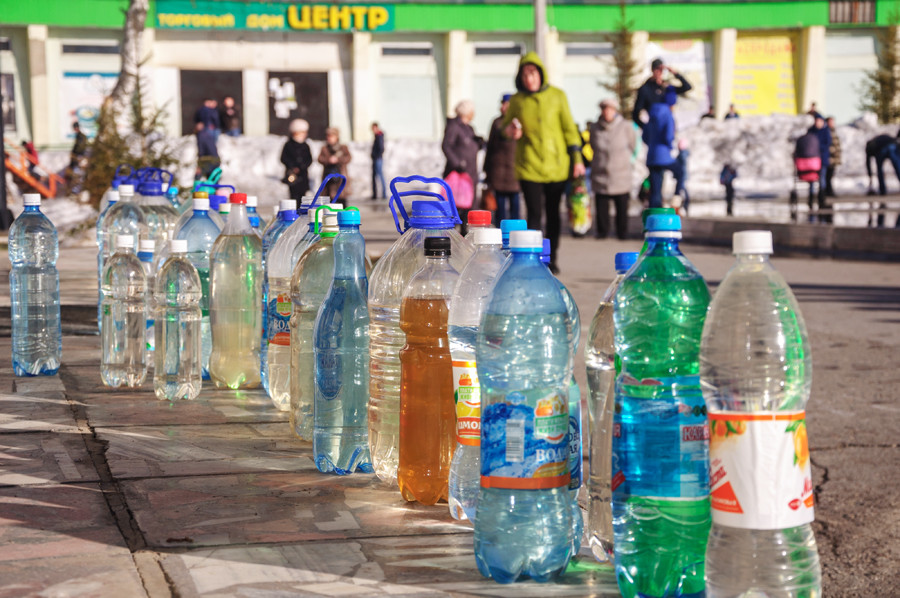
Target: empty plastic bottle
[[123, 353], [177, 290], [235, 301], [433, 218], [599, 356], [756, 373], [506, 227], [427, 409], [476, 219], [341, 339], [110, 198], [256, 221], [523, 525], [660, 481], [34, 292], [470, 297]]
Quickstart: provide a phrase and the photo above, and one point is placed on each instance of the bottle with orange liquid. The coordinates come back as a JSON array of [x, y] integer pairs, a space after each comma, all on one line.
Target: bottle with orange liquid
[[427, 410]]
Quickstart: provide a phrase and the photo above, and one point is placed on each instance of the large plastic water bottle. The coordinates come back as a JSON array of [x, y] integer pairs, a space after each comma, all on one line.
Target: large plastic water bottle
[[145, 255], [110, 198], [212, 212], [756, 372], [235, 301], [476, 282], [340, 439], [429, 218], [599, 356], [523, 525], [177, 290], [309, 286], [123, 353], [660, 465], [34, 292], [161, 216], [507, 227]]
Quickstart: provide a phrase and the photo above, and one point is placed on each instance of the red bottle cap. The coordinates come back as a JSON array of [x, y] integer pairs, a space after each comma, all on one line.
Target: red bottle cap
[[238, 198], [479, 218]]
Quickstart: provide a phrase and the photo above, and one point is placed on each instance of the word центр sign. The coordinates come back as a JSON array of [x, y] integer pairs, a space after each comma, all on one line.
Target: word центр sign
[[205, 14]]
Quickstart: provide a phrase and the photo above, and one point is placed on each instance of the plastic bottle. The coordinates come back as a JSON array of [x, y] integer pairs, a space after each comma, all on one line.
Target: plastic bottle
[[523, 525], [660, 481], [118, 179], [34, 292], [646, 213], [110, 199], [177, 290], [756, 373], [161, 216], [599, 356], [211, 212], [123, 360], [224, 211], [125, 218], [287, 214], [432, 218], [477, 219], [235, 305], [340, 438], [427, 408], [256, 221], [470, 297], [145, 254], [506, 227], [309, 285]]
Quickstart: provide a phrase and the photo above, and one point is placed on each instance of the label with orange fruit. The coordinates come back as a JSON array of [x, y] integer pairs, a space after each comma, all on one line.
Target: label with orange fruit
[[759, 470], [467, 395]]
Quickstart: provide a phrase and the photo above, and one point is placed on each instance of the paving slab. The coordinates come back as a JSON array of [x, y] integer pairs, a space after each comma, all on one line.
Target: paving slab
[[72, 577], [19, 413], [44, 457]]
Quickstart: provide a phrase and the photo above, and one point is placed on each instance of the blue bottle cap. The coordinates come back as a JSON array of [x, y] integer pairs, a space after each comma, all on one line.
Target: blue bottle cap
[[216, 200], [431, 214], [150, 188], [507, 226], [625, 260], [545, 252], [663, 222], [348, 217]]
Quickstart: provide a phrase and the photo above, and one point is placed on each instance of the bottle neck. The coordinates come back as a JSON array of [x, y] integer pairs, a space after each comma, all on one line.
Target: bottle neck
[[752, 258], [666, 241], [523, 256], [33, 209], [201, 212], [288, 215]]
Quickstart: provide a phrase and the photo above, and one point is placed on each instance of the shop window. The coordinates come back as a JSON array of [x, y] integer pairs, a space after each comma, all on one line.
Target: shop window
[[603, 49], [197, 86], [90, 49], [298, 95], [499, 49], [851, 11], [4, 43], [407, 50]]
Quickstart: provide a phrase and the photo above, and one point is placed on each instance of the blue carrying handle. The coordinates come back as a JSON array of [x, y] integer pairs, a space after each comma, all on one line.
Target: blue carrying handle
[[396, 204], [324, 184]]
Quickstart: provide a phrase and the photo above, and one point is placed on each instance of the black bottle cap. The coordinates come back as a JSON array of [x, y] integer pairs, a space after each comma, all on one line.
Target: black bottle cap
[[437, 247]]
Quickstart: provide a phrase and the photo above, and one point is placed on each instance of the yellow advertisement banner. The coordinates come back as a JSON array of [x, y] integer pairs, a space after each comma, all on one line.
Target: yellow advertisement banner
[[764, 75]]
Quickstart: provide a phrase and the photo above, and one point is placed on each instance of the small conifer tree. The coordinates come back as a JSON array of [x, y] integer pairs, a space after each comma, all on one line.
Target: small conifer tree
[[880, 90], [626, 68]]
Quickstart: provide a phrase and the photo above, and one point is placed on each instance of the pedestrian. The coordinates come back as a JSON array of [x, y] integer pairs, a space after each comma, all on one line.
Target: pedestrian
[[500, 167], [711, 113], [880, 149], [378, 162], [334, 157], [612, 143], [79, 148], [653, 90], [230, 117], [834, 156], [732, 113], [207, 153], [31, 153], [820, 130], [682, 199], [209, 116], [726, 179], [297, 158], [460, 146], [659, 133], [548, 148]]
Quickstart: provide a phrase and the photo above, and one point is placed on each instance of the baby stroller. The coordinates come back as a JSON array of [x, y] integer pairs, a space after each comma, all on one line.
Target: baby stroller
[[807, 165]]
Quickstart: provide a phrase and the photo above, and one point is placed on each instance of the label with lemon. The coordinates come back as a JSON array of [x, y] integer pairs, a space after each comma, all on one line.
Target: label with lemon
[[759, 470], [467, 395]]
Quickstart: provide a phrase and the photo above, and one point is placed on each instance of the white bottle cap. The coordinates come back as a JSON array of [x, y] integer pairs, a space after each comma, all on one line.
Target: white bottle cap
[[147, 246], [178, 246], [112, 196], [752, 241], [488, 236], [530, 239], [287, 204], [125, 241], [126, 191], [331, 222], [32, 199], [201, 203], [252, 201], [225, 208]]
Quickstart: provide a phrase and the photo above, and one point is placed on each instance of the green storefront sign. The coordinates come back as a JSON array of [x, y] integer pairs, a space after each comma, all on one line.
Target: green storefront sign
[[200, 14]]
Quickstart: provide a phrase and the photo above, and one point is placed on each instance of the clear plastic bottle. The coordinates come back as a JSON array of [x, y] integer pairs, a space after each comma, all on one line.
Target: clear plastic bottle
[[309, 286], [392, 273], [110, 199], [235, 301], [470, 297], [476, 219], [427, 410], [34, 292], [599, 356], [124, 218], [507, 227], [123, 353], [287, 214], [145, 254], [341, 339], [177, 292], [523, 525], [660, 481], [756, 373], [161, 216]]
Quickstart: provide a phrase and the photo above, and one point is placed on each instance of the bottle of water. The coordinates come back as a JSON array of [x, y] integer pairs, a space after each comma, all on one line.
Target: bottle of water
[[145, 255], [427, 410], [756, 372], [211, 213], [123, 351], [253, 216], [507, 227], [235, 301], [34, 292], [429, 218], [118, 179], [599, 356], [477, 219], [309, 285], [341, 436], [470, 297], [161, 216], [660, 463], [177, 290], [523, 525], [124, 218], [111, 197]]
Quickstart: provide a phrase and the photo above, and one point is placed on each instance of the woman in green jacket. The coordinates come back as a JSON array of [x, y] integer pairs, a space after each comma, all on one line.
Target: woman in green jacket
[[548, 148]]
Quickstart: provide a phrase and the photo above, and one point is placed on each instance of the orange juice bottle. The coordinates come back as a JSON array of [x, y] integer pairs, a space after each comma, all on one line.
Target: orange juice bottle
[[427, 409]]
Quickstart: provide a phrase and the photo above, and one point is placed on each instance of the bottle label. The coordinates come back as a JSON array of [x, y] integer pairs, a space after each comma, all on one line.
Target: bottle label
[[576, 452], [279, 325], [524, 447], [467, 394], [759, 470]]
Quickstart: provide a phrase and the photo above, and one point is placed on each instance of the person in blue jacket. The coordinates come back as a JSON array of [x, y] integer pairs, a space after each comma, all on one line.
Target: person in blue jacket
[[659, 133], [820, 130]]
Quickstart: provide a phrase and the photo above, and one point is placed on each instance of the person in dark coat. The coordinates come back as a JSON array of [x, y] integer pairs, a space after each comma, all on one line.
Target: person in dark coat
[[297, 159], [461, 146], [79, 148], [378, 162], [880, 149], [334, 157], [820, 130], [207, 153], [500, 168], [653, 90], [209, 116], [659, 133], [230, 117]]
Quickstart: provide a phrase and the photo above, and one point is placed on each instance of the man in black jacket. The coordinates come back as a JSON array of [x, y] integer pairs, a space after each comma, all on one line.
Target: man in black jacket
[[654, 89], [378, 162]]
